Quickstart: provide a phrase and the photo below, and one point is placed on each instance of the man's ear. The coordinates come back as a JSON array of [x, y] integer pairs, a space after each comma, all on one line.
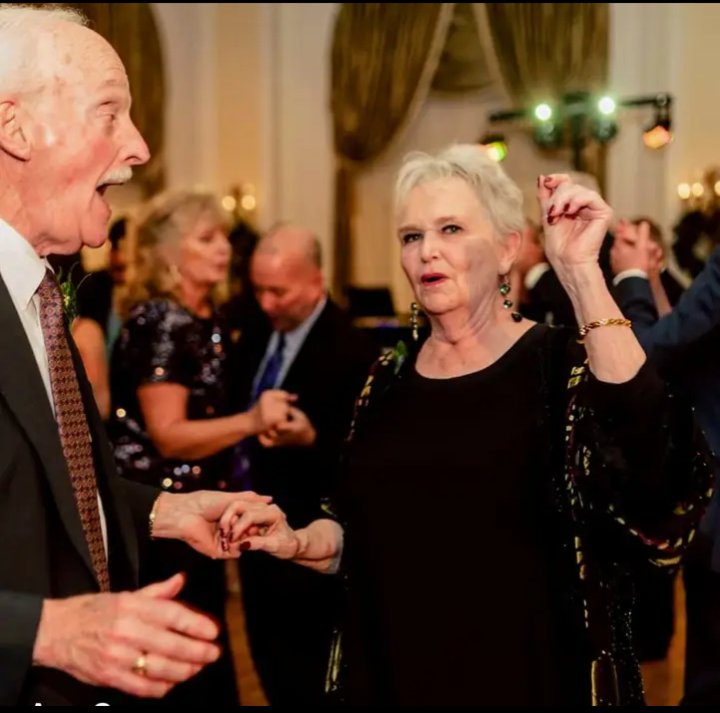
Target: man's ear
[[12, 137]]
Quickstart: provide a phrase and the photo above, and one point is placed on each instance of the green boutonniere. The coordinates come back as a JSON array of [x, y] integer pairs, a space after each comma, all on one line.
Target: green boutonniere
[[69, 290], [398, 356]]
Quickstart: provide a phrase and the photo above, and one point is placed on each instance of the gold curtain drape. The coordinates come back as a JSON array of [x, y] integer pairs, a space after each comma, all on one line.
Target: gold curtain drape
[[463, 66], [130, 28], [384, 57], [550, 49]]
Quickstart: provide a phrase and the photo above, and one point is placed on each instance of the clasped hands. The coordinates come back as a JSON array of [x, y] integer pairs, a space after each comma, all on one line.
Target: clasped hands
[[279, 423]]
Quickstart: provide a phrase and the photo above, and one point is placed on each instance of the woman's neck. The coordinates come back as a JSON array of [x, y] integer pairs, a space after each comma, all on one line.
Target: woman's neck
[[462, 344], [195, 298]]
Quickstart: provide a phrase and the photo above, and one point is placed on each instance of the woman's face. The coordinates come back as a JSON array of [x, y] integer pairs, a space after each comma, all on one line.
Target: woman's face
[[448, 249], [204, 254]]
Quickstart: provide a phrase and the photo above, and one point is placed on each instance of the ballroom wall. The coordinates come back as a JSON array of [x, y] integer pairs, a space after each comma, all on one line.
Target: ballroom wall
[[248, 103]]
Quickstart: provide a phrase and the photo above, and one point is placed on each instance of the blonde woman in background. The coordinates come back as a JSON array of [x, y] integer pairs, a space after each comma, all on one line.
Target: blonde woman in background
[[171, 423]]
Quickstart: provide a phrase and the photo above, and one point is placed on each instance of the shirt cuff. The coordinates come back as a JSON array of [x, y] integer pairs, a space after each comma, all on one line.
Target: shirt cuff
[[534, 274], [629, 273]]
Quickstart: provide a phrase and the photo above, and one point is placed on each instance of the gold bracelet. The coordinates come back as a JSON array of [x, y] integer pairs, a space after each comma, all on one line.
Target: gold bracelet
[[614, 321], [152, 516]]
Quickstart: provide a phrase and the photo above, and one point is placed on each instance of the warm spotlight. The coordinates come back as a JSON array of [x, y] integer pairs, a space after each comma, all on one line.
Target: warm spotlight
[[659, 133]]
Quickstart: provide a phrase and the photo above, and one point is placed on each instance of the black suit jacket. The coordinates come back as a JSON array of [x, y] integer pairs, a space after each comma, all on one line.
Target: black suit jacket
[[327, 374], [686, 345], [44, 550]]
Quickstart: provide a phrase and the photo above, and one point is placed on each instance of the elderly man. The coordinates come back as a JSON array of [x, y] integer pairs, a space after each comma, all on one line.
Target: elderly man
[[72, 530], [312, 351]]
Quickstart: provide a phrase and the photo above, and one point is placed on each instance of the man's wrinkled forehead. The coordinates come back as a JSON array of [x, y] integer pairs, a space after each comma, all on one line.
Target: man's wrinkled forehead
[[71, 51]]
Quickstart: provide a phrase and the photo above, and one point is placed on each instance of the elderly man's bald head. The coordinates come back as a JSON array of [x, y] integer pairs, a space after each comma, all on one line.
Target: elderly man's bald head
[[287, 276], [29, 49], [292, 241], [65, 128]]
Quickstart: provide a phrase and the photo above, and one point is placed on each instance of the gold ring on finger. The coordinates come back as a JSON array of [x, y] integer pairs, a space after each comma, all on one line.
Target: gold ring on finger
[[140, 665]]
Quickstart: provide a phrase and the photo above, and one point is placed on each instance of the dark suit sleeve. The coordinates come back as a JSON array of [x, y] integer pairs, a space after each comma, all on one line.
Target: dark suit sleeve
[[140, 499], [697, 312], [19, 619]]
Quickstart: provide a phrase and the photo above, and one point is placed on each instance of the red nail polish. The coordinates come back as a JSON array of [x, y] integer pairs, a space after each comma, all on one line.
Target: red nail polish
[[244, 546]]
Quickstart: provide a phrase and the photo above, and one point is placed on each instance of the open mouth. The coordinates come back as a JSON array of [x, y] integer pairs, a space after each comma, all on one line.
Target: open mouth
[[432, 278]]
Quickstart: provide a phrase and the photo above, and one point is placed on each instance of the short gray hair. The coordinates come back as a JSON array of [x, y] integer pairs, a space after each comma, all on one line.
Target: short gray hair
[[497, 192], [20, 28]]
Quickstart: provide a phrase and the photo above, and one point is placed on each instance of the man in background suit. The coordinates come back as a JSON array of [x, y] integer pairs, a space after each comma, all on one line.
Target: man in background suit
[[71, 529], [686, 345], [313, 352]]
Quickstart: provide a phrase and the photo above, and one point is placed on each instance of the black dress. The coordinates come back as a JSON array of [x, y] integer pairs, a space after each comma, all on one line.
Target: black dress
[[162, 342], [468, 596]]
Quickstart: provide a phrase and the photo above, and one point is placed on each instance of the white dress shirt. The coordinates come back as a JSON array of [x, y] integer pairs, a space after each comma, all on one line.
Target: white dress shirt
[[534, 274], [633, 272], [293, 343], [22, 271]]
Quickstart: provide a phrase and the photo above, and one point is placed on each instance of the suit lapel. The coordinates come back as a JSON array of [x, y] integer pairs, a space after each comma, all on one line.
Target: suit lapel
[[22, 387], [306, 358]]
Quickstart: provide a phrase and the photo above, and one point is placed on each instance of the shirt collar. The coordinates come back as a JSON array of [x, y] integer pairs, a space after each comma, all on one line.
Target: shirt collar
[[22, 269], [297, 335]]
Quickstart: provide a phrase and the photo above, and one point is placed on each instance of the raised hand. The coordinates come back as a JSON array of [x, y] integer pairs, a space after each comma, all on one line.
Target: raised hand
[[575, 220], [633, 249]]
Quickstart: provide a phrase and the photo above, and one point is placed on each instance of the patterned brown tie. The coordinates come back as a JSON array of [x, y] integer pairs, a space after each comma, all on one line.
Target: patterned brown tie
[[72, 422]]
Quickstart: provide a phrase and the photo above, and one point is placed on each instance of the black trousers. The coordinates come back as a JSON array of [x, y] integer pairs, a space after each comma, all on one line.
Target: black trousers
[[204, 590], [702, 656], [290, 612]]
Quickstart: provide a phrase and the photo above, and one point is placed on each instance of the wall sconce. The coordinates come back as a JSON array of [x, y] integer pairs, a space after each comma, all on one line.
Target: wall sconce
[[240, 202]]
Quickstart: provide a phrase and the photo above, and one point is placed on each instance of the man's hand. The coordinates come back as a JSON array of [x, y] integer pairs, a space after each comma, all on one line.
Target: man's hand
[[141, 643], [194, 519], [271, 408], [632, 248], [296, 430]]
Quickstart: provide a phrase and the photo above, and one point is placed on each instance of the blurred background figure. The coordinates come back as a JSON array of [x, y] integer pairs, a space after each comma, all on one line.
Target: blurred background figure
[[242, 312], [666, 288], [309, 349], [98, 324], [171, 422]]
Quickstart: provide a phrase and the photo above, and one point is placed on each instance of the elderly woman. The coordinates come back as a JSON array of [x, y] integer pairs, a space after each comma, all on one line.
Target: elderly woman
[[501, 478], [171, 422]]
